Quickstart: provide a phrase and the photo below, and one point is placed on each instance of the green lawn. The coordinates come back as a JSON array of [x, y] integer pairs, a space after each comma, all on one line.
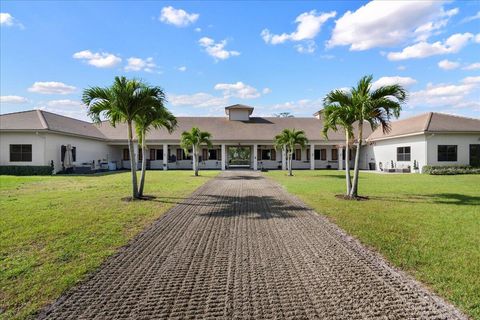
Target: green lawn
[[54, 230], [426, 225]]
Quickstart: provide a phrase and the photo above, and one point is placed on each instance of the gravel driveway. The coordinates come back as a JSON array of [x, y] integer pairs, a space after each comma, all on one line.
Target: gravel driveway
[[241, 247]]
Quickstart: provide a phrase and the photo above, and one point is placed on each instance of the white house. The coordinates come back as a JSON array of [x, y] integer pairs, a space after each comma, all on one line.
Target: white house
[[240, 140]]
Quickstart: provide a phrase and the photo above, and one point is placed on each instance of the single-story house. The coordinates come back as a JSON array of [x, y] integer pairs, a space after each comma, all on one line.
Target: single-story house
[[240, 140]]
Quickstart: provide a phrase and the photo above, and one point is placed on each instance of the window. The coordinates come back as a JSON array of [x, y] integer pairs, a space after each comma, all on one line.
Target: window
[[334, 154], [266, 154], [403, 154], [317, 155], [308, 154], [323, 154], [297, 155], [74, 153], [126, 154], [20, 152], [213, 154], [152, 154], [182, 156], [447, 153], [159, 154]]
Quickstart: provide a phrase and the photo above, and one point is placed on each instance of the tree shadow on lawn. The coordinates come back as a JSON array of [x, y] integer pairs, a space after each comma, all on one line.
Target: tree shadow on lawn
[[439, 198]]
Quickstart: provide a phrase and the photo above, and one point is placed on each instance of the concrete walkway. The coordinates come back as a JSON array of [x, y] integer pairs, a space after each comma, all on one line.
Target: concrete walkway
[[242, 248]]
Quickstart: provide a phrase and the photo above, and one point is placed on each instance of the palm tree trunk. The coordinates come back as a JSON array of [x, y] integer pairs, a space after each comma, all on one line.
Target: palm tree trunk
[[195, 162], [354, 191], [290, 164], [347, 163], [133, 163], [144, 165]]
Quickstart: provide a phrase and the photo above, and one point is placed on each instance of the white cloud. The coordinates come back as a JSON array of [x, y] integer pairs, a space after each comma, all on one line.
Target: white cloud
[[70, 108], [401, 68], [217, 49], [182, 68], [138, 64], [51, 87], [472, 66], [477, 38], [446, 94], [7, 20], [471, 18], [197, 29], [198, 100], [309, 25], [13, 99], [266, 90], [471, 80], [386, 81], [389, 23], [424, 49], [302, 107], [448, 65], [178, 17], [237, 90], [308, 47], [98, 59]]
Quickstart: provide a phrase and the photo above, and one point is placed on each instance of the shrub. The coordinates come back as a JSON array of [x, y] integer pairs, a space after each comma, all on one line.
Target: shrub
[[26, 170], [450, 170]]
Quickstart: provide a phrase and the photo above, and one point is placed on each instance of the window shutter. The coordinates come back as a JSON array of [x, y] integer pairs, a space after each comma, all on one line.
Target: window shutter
[[205, 154], [63, 150], [259, 154], [273, 154], [74, 154], [219, 154], [152, 154]]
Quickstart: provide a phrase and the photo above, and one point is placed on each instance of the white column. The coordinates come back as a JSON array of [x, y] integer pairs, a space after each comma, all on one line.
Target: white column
[[224, 157], [284, 159], [255, 160], [165, 156], [312, 157], [340, 158]]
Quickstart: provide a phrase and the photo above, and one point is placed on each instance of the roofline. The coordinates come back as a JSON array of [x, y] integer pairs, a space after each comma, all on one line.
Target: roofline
[[46, 130], [396, 136]]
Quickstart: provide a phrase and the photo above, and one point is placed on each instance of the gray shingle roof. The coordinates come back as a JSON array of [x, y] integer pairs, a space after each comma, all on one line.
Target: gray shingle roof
[[222, 129], [428, 122]]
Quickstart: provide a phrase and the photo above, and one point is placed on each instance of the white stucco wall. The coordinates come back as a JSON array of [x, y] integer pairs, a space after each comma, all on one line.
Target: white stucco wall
[[239, 114], [385, 151], [37, 140], [462, 141], [87, 150]]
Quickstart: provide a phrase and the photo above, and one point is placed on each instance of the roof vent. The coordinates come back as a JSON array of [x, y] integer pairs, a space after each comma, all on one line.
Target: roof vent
[[238, 112]]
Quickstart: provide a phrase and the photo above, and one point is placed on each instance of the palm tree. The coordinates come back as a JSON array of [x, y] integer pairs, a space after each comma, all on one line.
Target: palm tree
[[120, 103], [287, 140], [194, 139], [377, 107], [156, 117], [339, 112]]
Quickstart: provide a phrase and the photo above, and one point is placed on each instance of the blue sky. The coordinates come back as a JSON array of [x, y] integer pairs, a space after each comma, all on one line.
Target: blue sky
[[275, 56]]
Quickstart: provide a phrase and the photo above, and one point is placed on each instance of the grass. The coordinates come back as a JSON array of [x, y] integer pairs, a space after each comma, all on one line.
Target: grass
[[427, 225], [54, 230]]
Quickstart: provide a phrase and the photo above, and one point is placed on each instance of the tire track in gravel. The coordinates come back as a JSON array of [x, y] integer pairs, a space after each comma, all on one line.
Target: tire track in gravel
[[241, 247]]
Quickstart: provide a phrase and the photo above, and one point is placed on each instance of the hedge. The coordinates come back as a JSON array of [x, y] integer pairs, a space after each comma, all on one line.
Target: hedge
[[26, 170], [450, 170]]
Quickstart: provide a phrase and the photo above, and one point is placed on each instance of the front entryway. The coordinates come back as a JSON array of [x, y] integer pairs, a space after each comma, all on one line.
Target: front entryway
[[475, 155], [239, 157]]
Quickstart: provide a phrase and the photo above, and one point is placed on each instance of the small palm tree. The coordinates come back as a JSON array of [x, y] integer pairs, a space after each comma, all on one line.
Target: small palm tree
[[338, 112], [287, 140], [157, 116], [194, 139], [377, 107], [120, 103]]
